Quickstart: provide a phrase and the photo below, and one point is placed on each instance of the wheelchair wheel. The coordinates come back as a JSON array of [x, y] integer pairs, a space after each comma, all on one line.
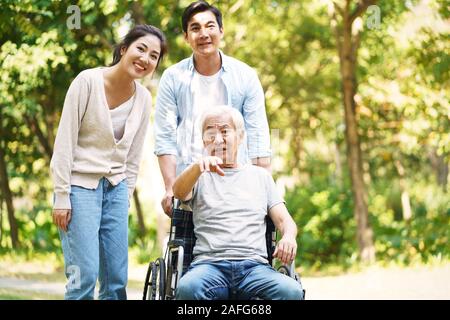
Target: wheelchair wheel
[[147, 283], [155, 281], [170, 292], [159, 283], [284, 270]]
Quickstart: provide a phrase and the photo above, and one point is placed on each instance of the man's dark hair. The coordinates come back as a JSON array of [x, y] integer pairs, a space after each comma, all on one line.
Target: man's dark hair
[[196, 7]]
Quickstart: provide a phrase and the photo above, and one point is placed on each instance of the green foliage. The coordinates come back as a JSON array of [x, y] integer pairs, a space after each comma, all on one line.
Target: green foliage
[[144, 248], [324, 217], [420, 239]]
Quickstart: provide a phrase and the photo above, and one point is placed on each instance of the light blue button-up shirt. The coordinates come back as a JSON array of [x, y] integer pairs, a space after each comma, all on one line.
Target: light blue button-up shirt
[[174, 110]]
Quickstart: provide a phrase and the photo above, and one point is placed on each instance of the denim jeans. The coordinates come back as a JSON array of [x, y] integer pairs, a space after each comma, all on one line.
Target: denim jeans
[[96, 242], [236, 279]]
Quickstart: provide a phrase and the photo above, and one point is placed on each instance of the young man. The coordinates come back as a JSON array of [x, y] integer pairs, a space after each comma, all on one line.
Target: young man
[[230, 202], [188, 88]]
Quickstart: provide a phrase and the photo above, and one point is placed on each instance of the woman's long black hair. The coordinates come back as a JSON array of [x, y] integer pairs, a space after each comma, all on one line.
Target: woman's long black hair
[[138, 31]]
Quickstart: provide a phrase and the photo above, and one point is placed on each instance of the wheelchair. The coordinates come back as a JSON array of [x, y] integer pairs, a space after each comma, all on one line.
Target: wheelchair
[[164, 274]]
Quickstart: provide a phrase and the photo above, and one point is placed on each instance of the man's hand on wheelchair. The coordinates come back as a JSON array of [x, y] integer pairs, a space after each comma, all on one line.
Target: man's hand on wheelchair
[[286, 250], [167, 203], [211, 163]]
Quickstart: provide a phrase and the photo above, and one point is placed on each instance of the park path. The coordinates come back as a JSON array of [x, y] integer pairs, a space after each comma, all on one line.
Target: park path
[[373, 283], [420, 283]]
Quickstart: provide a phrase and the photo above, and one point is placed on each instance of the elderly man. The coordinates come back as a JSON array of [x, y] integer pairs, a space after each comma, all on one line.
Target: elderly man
[[229, 203]]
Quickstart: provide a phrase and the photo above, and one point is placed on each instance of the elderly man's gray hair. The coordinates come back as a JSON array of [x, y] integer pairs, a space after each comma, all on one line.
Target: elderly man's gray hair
[[236, 118]]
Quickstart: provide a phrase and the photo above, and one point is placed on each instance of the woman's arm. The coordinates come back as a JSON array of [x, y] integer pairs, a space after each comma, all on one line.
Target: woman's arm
[[136, 149], [66, 140]]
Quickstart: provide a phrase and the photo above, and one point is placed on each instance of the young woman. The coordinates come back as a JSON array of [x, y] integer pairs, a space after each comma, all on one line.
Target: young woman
[[95, 162]]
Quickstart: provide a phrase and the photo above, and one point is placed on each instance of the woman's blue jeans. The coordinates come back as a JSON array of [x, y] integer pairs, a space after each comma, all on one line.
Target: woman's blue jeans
[[96, 243], [236, 279]]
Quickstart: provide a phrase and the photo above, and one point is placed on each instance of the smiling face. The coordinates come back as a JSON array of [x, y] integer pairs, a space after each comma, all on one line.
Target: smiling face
[[141, 57], [221, 139], [203, 33]]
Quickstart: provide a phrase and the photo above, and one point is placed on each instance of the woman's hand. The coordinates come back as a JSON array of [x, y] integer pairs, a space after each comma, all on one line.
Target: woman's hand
[[61, 217]]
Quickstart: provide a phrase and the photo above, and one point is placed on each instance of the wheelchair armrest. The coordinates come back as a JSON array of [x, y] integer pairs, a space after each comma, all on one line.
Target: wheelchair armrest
[[176, 243]]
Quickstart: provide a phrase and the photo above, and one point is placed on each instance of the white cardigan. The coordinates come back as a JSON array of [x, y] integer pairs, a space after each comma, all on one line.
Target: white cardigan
[[85, 148]]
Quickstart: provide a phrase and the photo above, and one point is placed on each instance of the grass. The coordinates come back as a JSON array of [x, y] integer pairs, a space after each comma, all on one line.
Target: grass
[[13, 294], [40, 267], [46, 267]]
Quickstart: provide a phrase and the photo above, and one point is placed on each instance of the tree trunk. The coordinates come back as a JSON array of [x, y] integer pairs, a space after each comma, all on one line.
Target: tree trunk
[[296, 145], [140, 216], [162, 230], [1, 221], [442, 173], [348, 44], [338, 167], [34, 125], [441, 169], [406, 203], [137, 13], [6, 192]]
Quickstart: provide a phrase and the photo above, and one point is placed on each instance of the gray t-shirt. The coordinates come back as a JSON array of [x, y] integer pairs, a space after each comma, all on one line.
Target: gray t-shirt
[[229, 213]]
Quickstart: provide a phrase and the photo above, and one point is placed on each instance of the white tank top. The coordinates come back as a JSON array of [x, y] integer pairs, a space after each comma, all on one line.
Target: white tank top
[[119, 116], [209, 91]]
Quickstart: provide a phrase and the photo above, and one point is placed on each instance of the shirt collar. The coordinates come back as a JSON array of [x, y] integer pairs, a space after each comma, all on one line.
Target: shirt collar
[[222, 55]]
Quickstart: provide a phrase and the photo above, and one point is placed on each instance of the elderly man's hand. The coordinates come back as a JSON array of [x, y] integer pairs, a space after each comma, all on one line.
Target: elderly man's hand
[[211, 163], [286, 250]]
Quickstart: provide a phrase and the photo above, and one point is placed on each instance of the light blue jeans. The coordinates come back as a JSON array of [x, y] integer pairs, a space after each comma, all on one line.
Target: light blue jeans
[[236, 279], [96, 243]]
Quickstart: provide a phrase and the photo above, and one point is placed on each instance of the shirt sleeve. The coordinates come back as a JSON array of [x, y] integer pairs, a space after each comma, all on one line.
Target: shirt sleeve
[[255, 118], [137, 146], [273, 195], [166, 114], [66, 141]]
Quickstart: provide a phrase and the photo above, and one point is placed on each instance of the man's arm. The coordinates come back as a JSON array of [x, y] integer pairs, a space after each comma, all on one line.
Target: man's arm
[[263, 162], [184, 183], [287, 247], [182, 188], [168, 165], [165, 131], [256, 125]]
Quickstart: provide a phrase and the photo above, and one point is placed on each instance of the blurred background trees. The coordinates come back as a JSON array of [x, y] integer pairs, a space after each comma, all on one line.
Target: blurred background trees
[[357, 99]]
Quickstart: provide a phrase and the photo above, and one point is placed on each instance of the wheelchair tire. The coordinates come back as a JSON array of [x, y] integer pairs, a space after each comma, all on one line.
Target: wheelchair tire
[[284, 270], [159, 283], [147, 283], [170, 292]]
